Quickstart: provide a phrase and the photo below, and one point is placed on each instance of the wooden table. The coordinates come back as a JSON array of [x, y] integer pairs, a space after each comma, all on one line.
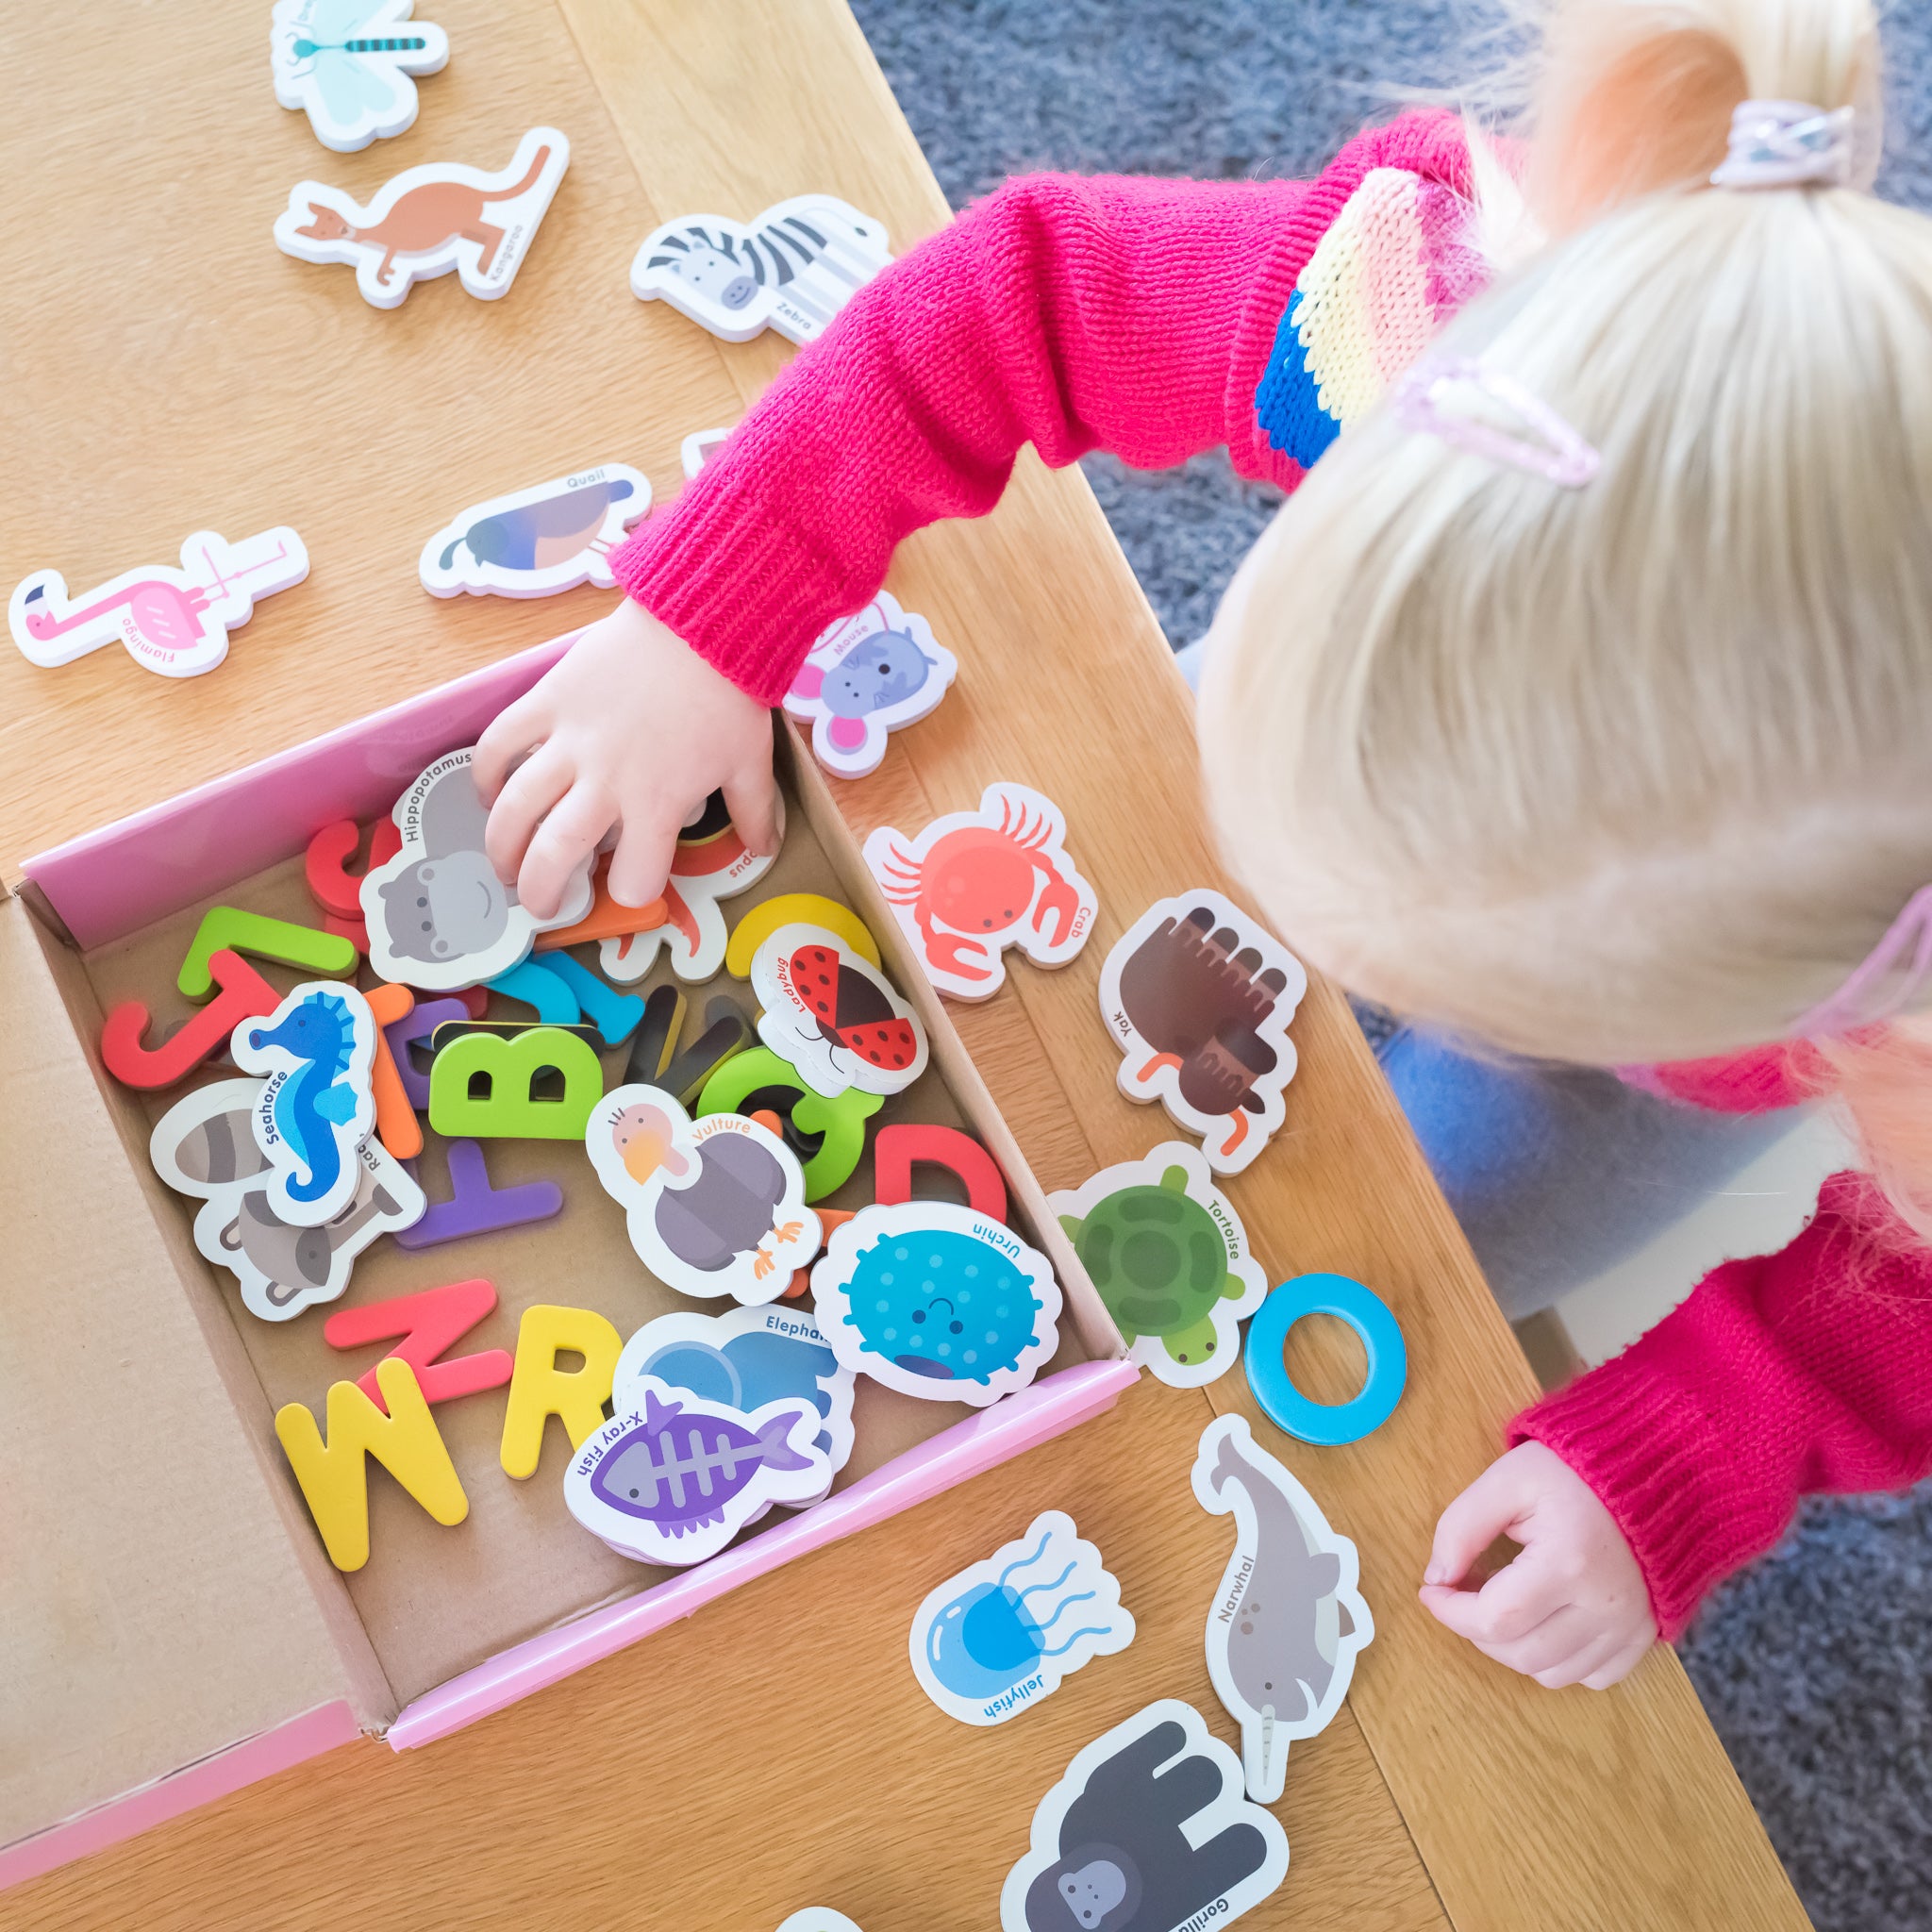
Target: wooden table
[[165, 369]]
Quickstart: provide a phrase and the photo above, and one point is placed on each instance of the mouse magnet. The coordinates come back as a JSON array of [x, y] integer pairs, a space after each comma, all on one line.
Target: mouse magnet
[[864, 678], [438, 916], [1001, 1635], [1198, 998], [173, 622], [318, 1104], [1146, 1832], [1288, 1621], [976, 882], [204, 1146], [673, 1479], [835, 1018], [818, 1919], [936, 1301], [744, 1359], [352, 65], [538, 542], [715, 1207], [792, 269], [1169, 1259], [430, 219]]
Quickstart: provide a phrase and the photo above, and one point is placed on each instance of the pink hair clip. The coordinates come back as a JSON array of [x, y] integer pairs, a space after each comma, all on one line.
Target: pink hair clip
[[1786, 145], [1905, 950], [1548, 445]]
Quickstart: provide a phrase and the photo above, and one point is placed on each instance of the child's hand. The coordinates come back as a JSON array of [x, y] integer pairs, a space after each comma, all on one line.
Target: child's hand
[[1571, 1607], [632, 729]]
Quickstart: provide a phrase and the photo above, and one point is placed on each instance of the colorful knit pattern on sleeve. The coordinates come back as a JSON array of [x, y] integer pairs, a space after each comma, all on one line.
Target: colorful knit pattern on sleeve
[[1390, 269]]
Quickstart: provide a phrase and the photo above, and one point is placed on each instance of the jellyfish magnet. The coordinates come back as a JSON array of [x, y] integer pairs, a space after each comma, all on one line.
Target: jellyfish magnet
[[1000, 1636]]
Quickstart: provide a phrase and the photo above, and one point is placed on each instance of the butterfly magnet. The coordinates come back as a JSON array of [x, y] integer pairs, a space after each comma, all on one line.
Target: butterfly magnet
[[352, 65], [833, 1016]]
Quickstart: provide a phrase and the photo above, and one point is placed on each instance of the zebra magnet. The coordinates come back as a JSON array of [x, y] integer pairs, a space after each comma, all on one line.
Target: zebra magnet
[[428, 221], [352, 66], [318, 1104], [675, 1478], [173, 622], [538, 542], [866, 678], [1000, 1636], [792, 269], [834, 1017]]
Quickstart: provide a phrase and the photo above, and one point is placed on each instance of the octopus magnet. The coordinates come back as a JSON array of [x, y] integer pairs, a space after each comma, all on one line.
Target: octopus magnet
[[1169, 1259], [866, 678], [936, 1301], [438, 916], [975, 883], [1001, 1635], [1147, 1832], [430, 219], [675, 1478], [835, 1018], [744, 1359], [1287, 1621], [204, 1146], [1198, 998], [714, 1207], [538, 542], [318, 1104], [792, 269], [352, 66], [173, 622]]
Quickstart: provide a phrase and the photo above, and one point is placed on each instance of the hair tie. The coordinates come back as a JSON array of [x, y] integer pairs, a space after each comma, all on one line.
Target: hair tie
[[1906, 951], [1544, 444], [1788, 144]]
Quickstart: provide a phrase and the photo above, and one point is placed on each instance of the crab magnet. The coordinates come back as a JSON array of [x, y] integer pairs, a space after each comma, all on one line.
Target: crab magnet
[[318, 1104], [351, 66], [1001, 1635], [792, 269], [714, 1207], [866, 678], [1198, 998], [204, 1146], [437, 914], [936, 1301], [173, 622], [975, 883], [427, 221], [536, 542], [1287, 1621], [745, 1359], [836, 1019], [1147, 1829], [675, 1478], [1169, 1258]]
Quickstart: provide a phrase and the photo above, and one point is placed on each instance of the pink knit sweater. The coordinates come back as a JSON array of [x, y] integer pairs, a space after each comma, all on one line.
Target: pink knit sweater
[[1157, 319]]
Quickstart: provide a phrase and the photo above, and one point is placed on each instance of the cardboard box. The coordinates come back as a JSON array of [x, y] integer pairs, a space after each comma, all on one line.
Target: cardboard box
[[170, 1627]]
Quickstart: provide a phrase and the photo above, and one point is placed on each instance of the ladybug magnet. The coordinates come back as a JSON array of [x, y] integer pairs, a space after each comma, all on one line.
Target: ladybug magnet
[[834, 1016]]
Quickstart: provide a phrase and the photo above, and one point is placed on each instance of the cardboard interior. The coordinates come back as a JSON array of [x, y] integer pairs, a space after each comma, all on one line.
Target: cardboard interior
[[199, 1529]]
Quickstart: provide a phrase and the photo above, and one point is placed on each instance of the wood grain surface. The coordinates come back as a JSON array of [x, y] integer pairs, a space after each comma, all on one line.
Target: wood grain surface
[[167, 369]]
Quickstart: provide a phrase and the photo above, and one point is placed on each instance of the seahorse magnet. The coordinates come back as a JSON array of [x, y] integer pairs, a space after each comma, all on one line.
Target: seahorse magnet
[[430, 219], [318, 1104], [975, 883], [175, 622], [792, 269]]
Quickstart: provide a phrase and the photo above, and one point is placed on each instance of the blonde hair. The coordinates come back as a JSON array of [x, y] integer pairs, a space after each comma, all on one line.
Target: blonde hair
[[1640, 770]]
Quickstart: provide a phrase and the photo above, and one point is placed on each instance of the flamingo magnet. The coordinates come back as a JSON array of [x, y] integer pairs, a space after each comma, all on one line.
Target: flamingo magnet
[[175, 622]]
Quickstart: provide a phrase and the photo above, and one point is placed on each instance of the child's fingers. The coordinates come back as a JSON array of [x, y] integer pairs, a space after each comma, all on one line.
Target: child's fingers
[[1591, 1655], [1476, 1519], [752, 799], [640, 866], [1508, 1608], [1621, 1662], [514, 730], [527, 793], [562, 843]]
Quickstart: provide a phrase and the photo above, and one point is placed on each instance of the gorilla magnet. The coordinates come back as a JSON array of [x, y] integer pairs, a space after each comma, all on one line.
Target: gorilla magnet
[[1147, 1832], [439, 918]]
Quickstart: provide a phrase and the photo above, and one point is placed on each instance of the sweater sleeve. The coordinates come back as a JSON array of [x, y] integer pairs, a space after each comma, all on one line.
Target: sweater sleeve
[[1073, 314], [1804, 1372]]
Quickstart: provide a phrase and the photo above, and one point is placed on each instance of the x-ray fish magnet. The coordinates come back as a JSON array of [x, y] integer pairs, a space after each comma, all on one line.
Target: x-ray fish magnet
[[997, 1638], [1287, 1621]]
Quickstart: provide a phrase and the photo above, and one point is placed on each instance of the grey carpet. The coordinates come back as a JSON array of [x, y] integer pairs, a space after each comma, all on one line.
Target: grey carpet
[[1815, 1664]]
